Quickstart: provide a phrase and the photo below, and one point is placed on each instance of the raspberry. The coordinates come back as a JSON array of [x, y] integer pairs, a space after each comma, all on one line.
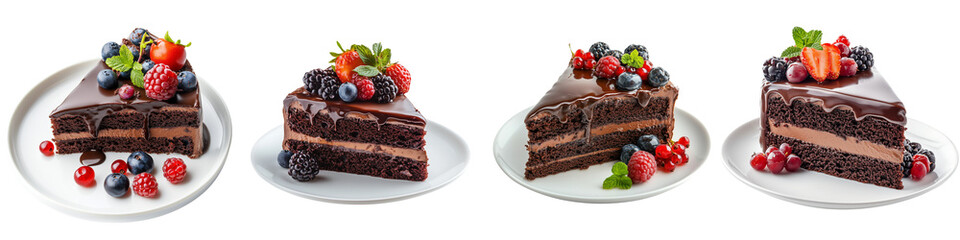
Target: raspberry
[[608, 67], [641, 167], [385, 90], [160, 82], [303, 167], [758, 161], [400, 76], [365, 89], [174, 170], [145, 185]]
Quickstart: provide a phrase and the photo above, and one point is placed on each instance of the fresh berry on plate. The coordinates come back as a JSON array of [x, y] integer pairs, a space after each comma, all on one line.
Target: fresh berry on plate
[[648, 143], [348, 92], [678, 149], [669, 165], [283, 158], [303, 167], [119, 166], [107, 79], [160, 83], [186, 81], [626, 152], [46, 147], [848, 67], [169, 52], [145, 185], [400, 76], [174, 170], [758, 161], [140, 162], [641, 166], [796, 72], [918, 171], [776, 161], [930, 157], [84, 176], [109, 50], [116, 185], [365, 89], [658, 77], [628, 82], [785, 148], [793, 163], [663, 151], [685, 141], [127, 92], [920, 158]]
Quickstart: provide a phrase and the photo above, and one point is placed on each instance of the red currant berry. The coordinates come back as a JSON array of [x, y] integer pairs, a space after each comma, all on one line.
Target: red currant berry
[[679, 149], [620, 70], [686, 158], [577, 63], [786, 149], [793, 163], [663, 152], [589, 64], [843, 39], [84, 176], [118, 166], [759, 161], [918, 171], [579, 53], [669, 166], [588, 56], [685, 141], [46, 147], [770, 149], [677, 159], [631, 70], [776, 161]]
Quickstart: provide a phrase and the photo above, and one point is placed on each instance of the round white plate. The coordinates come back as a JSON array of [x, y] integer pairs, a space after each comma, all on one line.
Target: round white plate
[[52, 177], [587, 185], [448, 155], [825, 191]]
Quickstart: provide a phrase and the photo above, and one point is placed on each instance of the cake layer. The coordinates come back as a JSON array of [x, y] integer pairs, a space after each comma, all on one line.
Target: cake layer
[[349, 160], [584, 152], [865, 94], [583, 161], [840, 121], [185, 145], [414, 154], [612, 110], [842, 164]]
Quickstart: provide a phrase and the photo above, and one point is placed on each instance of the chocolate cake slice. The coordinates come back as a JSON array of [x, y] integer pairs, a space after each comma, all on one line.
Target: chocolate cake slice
[[93, 118], [584, 121], [376, 139], [851, 128]]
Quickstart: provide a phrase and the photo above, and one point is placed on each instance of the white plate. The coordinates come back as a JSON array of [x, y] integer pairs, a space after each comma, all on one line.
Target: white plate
[[447, 152], [587, 185], [825, 191], [52, 177]]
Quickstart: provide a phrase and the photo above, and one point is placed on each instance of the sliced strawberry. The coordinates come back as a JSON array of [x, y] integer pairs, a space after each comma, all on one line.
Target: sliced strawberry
[[811, 60], [832, 61], [345, 64]]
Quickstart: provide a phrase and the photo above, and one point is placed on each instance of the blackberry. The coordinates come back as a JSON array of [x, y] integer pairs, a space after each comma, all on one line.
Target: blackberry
[[599, 50], [907, 164], [384, 88], [775, 69], [929, 154], [913, 147], [640, 49], [322, 82], [862, 56], [615, 53], [303, 167]]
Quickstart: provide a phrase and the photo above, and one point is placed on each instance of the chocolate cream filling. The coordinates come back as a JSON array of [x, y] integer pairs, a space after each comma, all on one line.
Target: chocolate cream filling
[[418, 155], [597, 131], [844, 144]]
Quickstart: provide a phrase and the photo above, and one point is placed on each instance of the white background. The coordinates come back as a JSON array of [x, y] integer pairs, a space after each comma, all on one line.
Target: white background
[[475, 64]]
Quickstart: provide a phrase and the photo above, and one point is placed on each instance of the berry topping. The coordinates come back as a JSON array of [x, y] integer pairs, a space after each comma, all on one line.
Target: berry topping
[[626, 152], [109, 50], [615, 53], [776, 161], [796, 72], [628, 82], [848, 67], [663, 151], [84, 176], [345, 63], [685, 141], [160, 83], [140, 162], [641, 167], [598, 50], [116, 185], [136, 53], [758, 161], [384, 88], [303, 167], [46, 147], [283, 158], [107, 79], [641, 50], [348, 92], [793, 163], [821, 64], [658, 77], [174, 170], [785, 148], [844, 49], [322, 82], [168, 52], [918, 171], [648, 143], [775, 69], [365, 89], [608, 67], [138, 35], [127, 92], [147, 65], [187, 81], [842, 39], [400, 76], [145, 185], [119, 166], [863, 56]]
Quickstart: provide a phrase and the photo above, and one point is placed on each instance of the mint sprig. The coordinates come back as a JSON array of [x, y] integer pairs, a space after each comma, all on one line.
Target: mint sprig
[[124, 62], [802, 39], [632, 59], [375, 59], [619, 179]]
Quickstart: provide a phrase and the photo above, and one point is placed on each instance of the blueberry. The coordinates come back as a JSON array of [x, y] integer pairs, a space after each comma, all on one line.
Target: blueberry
[[116, 184], [629, 81], [135, 51], [146, 52], [187, 81], [109, 49], [648, 143], [284, 158], [140, 162], [107, 79], [627, 151], [137, 35], [125, 74], [348, 92], [658, 77], [147, 65]]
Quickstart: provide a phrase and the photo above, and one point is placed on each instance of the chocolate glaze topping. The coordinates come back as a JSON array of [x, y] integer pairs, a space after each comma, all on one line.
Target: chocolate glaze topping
[[866, 94], [578, 88], [401, 109]]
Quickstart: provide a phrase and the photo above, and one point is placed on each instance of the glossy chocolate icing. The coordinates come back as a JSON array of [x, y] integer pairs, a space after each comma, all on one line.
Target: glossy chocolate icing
[[401, 109], [866, 94], [92, 102], [578, 88]]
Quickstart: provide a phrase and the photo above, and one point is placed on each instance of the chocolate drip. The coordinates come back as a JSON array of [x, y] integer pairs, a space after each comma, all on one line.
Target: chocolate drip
[[401, 109], [866, 94]]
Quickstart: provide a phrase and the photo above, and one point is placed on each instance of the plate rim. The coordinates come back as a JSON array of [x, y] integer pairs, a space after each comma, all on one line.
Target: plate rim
[[385, 199], [20, 113], [728, 163], [626, 198]]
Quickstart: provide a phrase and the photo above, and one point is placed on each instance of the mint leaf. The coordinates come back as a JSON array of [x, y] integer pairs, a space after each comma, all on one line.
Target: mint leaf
[[611, 182], [385, 57], [799, 36], [377, 48], [136, 75], [126, 56], [813, 37], [791, 51], [816, 46], [624, 182], [116, 64], [619, 168], [365, 55], [366, 70], [632, 59]]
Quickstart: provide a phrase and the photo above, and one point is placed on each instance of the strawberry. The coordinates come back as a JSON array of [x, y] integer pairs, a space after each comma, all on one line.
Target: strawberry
[[345, 64], [169, 52], [400, 76], [822, 64], [833, 55]]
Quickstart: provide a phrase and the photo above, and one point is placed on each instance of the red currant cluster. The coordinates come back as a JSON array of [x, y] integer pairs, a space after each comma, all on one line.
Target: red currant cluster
[[776, 159], [583, 60], [671, 155]]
